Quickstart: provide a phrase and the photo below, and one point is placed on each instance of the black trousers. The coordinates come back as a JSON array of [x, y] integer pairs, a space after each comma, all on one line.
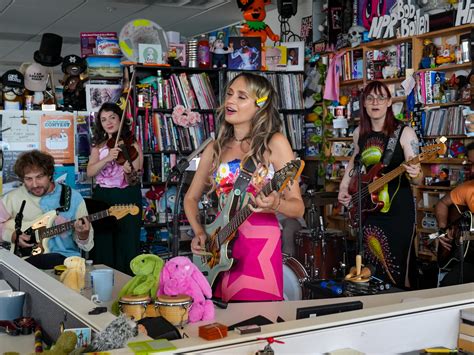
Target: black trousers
[[46, 261]]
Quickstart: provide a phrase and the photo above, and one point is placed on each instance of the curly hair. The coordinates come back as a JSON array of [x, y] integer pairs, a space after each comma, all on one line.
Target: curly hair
[[34, 159], [99, 134], [264, 124]]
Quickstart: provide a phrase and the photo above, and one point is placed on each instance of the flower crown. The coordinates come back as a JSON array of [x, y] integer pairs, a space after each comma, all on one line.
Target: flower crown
[[185, 117]]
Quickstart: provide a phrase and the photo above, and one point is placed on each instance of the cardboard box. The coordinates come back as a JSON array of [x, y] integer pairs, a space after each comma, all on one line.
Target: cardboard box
[[88, 41]]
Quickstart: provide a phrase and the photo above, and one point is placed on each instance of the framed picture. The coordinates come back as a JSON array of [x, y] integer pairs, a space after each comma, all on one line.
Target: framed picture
[[275, 58], [246, 53], [96, 95], [180, 49], [150, 53], [294, 55], [100, 67]]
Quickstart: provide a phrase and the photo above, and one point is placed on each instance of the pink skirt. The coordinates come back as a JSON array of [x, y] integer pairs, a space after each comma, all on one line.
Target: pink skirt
[[257, 272]]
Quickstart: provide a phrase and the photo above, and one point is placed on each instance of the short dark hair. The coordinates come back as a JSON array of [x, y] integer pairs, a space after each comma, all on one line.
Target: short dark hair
[[470, 147], [34, 159]]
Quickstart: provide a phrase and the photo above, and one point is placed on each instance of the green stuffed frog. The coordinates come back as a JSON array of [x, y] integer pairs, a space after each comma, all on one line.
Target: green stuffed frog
[[147, 269]]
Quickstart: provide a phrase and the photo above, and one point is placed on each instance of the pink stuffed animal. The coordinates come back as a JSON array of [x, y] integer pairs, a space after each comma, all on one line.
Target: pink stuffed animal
[[181, 276]]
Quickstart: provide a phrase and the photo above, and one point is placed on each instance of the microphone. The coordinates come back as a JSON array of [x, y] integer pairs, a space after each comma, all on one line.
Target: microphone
[[184, 163]]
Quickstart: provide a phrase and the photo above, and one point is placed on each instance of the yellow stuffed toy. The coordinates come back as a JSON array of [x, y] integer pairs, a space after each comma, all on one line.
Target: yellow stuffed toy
[[75, 273]]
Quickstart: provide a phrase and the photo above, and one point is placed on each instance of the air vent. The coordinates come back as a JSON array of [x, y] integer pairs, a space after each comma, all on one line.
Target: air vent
[[193, 4]]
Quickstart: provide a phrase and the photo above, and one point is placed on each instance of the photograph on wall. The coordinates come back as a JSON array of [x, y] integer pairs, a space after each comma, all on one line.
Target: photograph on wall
[[100, 67], [150, 53], [275, 58], [294, 55], [97, 94], [57, 137], [246, 53]]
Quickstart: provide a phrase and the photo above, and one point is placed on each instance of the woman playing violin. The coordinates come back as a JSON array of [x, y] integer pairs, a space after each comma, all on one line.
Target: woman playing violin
[[109, 165]]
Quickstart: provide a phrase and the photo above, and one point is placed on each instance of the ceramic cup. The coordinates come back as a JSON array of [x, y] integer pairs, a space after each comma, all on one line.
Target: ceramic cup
[[11, 305], [103, 284]]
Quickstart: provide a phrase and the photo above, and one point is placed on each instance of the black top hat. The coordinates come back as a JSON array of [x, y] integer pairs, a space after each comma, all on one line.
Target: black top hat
[[49, 53], [73, 65]]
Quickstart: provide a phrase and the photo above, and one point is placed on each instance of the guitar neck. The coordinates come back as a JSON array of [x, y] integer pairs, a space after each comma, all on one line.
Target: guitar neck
[[61, 228], [380, 182], [241, 216]]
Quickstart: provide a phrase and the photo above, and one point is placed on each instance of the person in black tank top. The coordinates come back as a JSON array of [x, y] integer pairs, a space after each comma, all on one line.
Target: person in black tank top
[[387, 234]]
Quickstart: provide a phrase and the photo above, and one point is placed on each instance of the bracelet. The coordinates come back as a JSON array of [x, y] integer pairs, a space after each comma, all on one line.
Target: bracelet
[[278, 204]]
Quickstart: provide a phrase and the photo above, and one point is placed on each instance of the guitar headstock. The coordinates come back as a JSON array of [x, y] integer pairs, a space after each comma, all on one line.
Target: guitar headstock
[[291, 171], [432, 151], [120, 211]]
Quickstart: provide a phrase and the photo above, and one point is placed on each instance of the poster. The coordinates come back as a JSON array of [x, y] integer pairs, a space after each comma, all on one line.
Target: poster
[[20, 130], [57, 137]]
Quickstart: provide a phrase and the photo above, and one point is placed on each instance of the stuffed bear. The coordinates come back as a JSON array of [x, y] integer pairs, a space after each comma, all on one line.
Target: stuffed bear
[[74, 275], [181, 276], [219, 53], [147, 268]]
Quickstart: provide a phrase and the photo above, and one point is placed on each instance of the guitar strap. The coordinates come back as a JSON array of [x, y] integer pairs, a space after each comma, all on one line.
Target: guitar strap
[[65, 199], [241, 183], [391, 145]]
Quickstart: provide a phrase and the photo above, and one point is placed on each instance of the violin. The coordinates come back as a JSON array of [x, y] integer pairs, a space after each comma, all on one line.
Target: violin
[[129, 152]]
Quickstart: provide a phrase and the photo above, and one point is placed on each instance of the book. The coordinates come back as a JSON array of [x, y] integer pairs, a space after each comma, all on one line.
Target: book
[[151, 346]]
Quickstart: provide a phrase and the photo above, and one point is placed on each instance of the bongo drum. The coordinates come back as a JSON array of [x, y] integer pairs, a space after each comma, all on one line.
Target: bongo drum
[[174, 308], [137, 307]]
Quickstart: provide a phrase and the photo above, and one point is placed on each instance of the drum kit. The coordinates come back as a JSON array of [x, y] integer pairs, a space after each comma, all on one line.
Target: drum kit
[[320, 253]]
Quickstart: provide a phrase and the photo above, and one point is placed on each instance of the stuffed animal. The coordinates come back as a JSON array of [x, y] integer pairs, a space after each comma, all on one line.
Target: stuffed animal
[[181, 276], [254, 13], [147, 269], [168, 200], [74, 92], [74, 275], [115, 336], [219, 53], [65, 344]]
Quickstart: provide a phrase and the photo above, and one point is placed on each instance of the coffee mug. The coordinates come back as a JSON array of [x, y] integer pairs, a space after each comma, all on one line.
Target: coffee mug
[[103, 284]]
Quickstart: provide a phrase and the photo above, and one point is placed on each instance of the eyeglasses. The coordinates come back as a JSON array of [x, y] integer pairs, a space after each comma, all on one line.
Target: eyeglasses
[[16, 90], [380, 99], [370, 99]]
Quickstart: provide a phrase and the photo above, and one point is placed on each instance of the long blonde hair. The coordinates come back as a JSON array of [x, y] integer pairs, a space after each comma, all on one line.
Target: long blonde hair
[[264, 124]]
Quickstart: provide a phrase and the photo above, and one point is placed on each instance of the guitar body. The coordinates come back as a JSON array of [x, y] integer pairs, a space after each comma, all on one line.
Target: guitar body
[[460, 228], [33, 229], [221, 259], [370, 202]]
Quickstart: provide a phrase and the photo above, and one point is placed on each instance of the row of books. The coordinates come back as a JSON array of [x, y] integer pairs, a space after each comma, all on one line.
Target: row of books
[[193, 91], [158, 133], [352, 65], [293, 129], [390, 62], [157, 167], [429, 87], [444, 121], [289, 87]]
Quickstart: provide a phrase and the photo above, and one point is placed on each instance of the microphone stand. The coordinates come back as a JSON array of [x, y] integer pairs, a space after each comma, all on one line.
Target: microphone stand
[[358, 171]]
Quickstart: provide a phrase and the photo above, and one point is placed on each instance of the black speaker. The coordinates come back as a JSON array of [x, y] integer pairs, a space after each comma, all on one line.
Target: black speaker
[[287, 8]]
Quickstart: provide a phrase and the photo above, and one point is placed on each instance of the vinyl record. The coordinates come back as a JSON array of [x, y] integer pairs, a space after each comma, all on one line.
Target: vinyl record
[[141, 31]]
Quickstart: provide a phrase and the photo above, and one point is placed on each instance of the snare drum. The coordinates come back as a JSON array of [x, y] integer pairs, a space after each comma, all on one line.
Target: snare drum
[[324, 255], [174, 308], [137, 307], [294, 277]]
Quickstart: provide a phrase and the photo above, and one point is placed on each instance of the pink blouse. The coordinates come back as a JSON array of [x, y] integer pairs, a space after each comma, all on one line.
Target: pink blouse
[[112, 174]]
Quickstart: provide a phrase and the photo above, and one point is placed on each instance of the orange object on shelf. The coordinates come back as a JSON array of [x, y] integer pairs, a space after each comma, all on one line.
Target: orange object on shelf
[[213, 331]]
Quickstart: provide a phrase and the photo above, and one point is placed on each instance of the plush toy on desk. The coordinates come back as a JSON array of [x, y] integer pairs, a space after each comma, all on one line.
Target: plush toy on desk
[[181, 276], [254, 13], [65, 344], [74, 275], [147, 269]]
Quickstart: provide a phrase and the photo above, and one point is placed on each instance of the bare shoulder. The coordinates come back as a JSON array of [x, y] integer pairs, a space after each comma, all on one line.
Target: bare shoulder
[[408, 134], [279, 142]]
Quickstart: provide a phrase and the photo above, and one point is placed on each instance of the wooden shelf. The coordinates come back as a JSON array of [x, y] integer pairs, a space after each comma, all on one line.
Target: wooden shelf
[[351, 82], [343, 158], [429, 187], [451, 31], [426, 230], [386, 42], [337, 217], [453, 136], [399, 98], [448, 67], [447, 104], [391, 80], [312, 158]]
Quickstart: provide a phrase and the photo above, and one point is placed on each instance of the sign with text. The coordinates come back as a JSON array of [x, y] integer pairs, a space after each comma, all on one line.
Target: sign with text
[[403, 20], [57, 137], [465, 13]]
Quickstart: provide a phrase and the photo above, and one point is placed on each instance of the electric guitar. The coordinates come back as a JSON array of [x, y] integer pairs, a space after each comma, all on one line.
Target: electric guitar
[[373, 183], [461, 226], [218, 254], [41, 230]]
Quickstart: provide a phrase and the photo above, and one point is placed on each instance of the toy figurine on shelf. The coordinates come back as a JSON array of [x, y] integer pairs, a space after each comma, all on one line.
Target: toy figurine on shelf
[[429, 54], [73, 68], [219, 53], [254, 13], [13, 88], [446, 56]]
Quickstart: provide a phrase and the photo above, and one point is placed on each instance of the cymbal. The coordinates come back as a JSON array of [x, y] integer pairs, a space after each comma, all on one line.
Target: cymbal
[[322, 198]]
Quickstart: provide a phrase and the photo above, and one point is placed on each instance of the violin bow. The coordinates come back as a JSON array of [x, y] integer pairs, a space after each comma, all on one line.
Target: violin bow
[[119, 132]]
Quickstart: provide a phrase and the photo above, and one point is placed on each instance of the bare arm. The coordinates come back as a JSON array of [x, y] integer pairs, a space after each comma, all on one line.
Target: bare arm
[[344, 197], [192, 197], [441, 210], [96, 164], [409, 143]]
